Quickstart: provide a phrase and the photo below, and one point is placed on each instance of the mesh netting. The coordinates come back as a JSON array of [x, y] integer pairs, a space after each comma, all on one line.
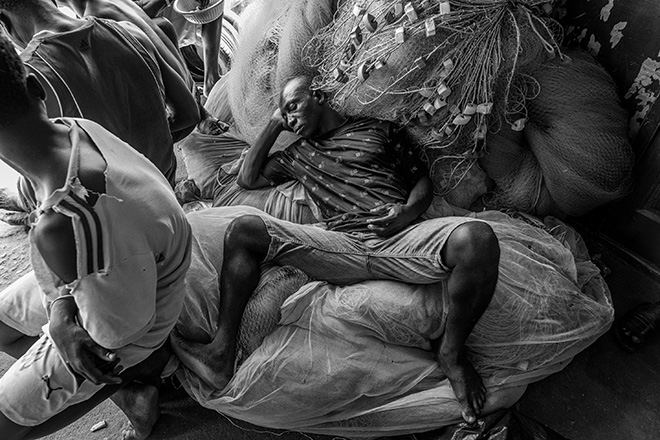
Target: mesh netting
[[356, 360], [273, 33], [574, 153], [459, 81]]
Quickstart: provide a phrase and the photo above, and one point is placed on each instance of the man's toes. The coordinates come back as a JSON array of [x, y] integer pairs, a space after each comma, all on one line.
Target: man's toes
[[469, 416], [478, 403]]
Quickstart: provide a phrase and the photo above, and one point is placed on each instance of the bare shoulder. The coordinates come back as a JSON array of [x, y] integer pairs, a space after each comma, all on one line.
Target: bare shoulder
[[55, 240]]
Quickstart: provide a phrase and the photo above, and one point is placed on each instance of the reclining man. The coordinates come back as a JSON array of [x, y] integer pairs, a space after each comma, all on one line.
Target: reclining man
[[371, 190], [110, 249]]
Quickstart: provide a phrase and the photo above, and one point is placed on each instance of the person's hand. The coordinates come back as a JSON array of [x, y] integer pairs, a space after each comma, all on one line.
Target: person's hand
[[84, 356], [395, 218], [280, 119]]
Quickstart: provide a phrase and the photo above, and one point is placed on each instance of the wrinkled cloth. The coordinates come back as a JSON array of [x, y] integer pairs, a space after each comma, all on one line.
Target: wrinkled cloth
[[213, 163]]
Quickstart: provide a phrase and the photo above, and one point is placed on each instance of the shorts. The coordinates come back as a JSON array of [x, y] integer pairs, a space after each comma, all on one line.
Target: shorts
[[411, 256], [40, 384]]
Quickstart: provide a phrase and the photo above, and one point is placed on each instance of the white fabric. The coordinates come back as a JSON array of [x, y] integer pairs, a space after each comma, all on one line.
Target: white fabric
[[355, 360]]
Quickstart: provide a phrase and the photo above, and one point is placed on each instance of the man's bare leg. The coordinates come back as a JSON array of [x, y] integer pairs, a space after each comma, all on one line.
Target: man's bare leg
[[245, 246], [211, 33], [13, 342], [472, 252], [138, 399]]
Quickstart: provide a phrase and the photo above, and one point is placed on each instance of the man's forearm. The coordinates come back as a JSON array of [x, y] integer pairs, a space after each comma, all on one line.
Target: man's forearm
[[255, 159], [63, 311], [420, 197]]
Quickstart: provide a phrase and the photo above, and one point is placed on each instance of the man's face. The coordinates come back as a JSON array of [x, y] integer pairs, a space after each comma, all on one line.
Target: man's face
[[301, 109]]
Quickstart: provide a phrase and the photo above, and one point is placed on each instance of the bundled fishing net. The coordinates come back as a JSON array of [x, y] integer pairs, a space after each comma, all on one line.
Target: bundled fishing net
[[273, 33], [573, 154], [356, 360], [455, 73]]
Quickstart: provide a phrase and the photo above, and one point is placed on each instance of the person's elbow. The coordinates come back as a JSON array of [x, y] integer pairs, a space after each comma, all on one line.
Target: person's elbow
[[247, 182], [182, 124], [185, 117]]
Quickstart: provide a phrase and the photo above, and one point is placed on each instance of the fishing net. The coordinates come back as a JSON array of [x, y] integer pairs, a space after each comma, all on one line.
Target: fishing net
[[356, 360], [573, 154], [455, 73], [273, 33]]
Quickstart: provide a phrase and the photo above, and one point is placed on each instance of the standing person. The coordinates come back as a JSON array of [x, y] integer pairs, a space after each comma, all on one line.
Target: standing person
[[108, 72], [371, 191], [110, 249], [211, 33], [127, 10]]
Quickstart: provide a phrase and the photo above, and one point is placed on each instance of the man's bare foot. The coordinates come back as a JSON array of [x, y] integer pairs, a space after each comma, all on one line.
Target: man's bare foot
[[140, 404], [211, 125], [467, 385], [212, 365]]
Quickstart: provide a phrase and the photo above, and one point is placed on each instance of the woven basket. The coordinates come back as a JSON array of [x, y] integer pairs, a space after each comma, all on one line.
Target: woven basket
[[188, 8]]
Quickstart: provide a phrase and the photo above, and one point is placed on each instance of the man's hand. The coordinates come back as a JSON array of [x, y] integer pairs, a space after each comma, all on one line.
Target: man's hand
[[84, 356], [279, 118], [396, 217]]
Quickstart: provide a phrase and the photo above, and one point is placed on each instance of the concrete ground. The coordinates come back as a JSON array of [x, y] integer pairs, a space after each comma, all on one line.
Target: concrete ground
[[604, 394]]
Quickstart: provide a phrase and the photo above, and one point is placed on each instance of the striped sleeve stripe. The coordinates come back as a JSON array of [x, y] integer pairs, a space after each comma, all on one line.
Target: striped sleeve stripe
[[91, 257], [99, 230]]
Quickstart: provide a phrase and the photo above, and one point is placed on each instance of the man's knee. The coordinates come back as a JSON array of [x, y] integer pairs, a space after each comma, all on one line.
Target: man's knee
[[247, 232], [8, 337], [473, 243]]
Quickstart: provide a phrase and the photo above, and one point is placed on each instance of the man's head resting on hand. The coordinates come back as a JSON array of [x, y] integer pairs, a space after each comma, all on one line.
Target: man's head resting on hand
[[303, 109]]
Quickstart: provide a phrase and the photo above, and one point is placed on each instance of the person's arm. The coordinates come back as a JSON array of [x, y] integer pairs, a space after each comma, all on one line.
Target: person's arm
[[55, 241], [180, 101], [398, 216], [77, 348], [249, 176], [420, 198]]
